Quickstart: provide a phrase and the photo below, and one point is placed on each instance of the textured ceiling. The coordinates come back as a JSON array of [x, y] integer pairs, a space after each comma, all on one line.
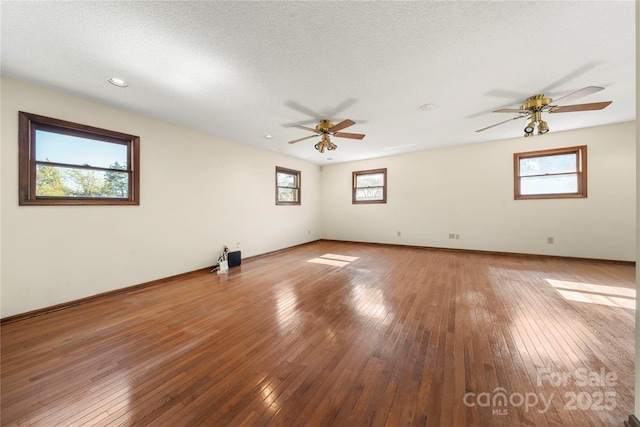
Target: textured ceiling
[[240, 70]]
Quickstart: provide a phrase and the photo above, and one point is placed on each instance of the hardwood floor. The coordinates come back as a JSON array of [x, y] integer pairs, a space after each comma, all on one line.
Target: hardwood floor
[[371, 335]]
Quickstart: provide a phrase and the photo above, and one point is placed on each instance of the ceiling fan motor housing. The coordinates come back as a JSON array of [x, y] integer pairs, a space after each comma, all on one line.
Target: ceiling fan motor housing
[[536, 103], [324, 126]]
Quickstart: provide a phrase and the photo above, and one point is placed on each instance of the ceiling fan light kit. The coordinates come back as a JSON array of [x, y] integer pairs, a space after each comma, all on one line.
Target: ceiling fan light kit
[[538, 104], [536, 118], [325, 144], [325, 129]]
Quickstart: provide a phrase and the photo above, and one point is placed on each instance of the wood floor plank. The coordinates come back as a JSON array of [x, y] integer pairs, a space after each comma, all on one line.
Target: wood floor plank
[[390, 336]]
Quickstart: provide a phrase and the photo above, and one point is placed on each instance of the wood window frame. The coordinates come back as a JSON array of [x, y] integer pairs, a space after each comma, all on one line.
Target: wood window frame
[[298, 186], [354, 187], [581, 172], [28, 123]]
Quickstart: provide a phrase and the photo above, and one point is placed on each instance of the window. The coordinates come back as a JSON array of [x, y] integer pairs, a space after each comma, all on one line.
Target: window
[[551, 174], [370, 186], [64, 163], [287, 186]]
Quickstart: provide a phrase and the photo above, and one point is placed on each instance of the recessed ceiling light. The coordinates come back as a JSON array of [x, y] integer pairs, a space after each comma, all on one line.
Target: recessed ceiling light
[[425, 107], [117, 82], [268, 136]]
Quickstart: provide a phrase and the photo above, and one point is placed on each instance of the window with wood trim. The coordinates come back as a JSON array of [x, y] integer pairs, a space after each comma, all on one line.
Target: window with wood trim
[[369, 186], [287, 186], [551, 174], [65, 163]]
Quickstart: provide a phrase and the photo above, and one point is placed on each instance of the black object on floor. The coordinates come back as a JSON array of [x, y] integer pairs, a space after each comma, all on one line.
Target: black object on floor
[[234, 259]]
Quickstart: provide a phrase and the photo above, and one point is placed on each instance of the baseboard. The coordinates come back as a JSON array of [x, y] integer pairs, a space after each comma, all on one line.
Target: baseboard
[[486, 252], [288, 248], [128, 289], [632, 421]]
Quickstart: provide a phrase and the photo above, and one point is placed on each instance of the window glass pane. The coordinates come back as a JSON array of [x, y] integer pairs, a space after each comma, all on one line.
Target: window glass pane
[[370, 180], [372, 193], [287, 194], [286, 180], [561, 163], [72, 150], [553, 184], [76, 182]]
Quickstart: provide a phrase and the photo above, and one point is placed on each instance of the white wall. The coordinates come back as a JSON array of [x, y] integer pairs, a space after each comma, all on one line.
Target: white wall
[[198, 192], [468, 190]]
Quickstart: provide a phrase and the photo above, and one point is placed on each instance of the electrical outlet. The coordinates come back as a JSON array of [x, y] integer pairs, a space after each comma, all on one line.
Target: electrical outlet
[[399, 233], [457, 237], [237, 245], [309, 232], [549, 240], [452, 236]]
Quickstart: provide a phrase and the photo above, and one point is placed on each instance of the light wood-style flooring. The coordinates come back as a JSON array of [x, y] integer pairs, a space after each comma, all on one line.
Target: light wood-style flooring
[[338, 334]]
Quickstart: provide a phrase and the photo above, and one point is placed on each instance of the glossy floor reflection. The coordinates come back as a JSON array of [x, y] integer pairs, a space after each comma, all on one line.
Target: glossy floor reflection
[[368, 335]]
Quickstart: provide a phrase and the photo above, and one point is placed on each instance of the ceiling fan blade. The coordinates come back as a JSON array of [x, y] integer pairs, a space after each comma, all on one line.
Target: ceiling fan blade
[[510, 110], [349, 135], [304, 110], [580, 107], [577, 94], [302, 139], [343, 124], [304, 127], [497, 124]]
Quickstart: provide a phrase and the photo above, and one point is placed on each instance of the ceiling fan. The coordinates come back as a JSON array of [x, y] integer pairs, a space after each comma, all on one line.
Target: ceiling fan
[[325, 129], [538, 104]]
